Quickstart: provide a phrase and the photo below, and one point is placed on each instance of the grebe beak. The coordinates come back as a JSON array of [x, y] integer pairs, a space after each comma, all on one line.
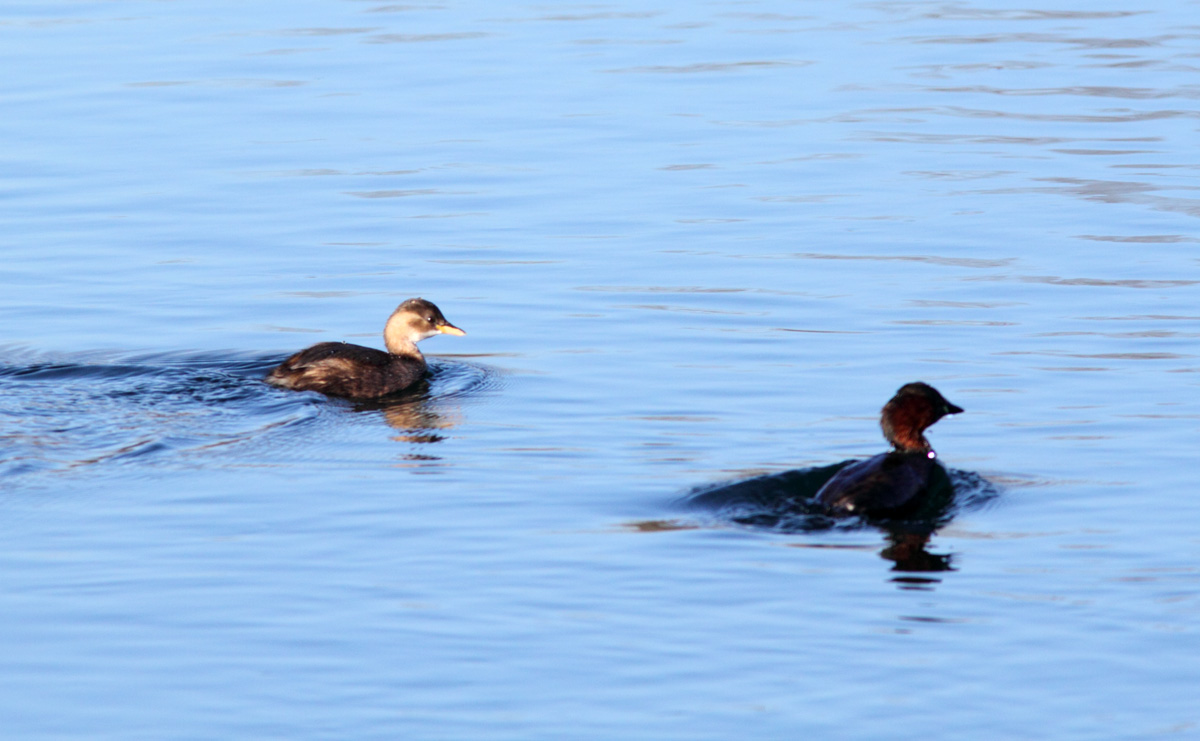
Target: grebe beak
[[953, 409], [449, 328]]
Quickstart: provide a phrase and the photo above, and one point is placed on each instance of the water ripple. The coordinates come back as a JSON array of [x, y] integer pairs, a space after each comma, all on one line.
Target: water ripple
[[61, 413]]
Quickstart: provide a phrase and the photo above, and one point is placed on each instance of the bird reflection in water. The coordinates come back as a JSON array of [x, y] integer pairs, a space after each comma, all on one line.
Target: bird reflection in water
[[785, 503], [425, 412], [418, 415]]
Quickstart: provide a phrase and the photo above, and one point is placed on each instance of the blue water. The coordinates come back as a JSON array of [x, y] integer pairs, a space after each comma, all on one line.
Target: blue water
[[691, 244]]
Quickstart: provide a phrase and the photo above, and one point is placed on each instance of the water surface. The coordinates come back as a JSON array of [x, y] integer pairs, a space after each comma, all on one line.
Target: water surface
[[691, 245]]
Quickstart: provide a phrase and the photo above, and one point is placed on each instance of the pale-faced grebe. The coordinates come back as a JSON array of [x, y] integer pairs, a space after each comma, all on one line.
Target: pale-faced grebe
[[357, 372], [891, 483]]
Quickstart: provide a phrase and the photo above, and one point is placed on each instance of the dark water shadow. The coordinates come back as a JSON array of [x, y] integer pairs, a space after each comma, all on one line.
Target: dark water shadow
[[784, 503], [61, 413], [422, 413]]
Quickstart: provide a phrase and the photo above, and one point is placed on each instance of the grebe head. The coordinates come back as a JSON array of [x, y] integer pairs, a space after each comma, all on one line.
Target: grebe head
[[910, 412], [415, 320]]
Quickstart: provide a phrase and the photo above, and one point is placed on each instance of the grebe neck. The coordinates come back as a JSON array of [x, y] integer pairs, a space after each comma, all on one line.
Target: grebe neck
[[399, 344]]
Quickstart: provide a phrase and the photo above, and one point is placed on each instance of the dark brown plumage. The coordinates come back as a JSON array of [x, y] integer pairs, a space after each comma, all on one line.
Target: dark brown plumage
[[357, 372], [891, 483]]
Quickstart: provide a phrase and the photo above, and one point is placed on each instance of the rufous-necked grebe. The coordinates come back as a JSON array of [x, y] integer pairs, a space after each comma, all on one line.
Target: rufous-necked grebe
[[357, 372], [891, 483]]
